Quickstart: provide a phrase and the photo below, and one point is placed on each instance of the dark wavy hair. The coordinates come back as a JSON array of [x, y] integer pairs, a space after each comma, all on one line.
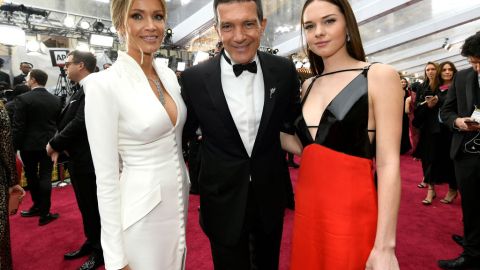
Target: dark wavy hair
[[440, 67], [354, 46], [471, 47]]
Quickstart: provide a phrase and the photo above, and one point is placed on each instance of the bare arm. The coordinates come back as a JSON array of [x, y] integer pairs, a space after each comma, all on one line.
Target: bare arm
[[291, 143], [387, 102]]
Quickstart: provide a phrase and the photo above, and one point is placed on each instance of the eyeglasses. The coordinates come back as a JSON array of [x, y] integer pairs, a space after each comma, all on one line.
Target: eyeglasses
[[67, 64]]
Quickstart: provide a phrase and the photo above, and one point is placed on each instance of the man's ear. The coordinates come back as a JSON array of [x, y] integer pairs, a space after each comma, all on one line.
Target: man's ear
[[263, 24]]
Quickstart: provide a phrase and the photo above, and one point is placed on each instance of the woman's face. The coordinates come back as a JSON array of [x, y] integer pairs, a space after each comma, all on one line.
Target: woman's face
[[145, 27], [325, 28], [430, 71], [404, 83], [447, 73]]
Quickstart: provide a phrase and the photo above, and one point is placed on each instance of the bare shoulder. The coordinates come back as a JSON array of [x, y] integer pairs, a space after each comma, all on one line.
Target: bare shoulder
[[383, 79]]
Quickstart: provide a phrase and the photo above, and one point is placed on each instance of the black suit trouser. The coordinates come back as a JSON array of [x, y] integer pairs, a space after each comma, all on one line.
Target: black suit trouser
[[38, 171], [85, 187], [467, 169], [256, 249]]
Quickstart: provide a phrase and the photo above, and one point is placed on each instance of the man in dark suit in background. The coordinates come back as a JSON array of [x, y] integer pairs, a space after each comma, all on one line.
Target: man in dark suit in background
[[34, 124], [242, 99], [462, 100], [25, 67], [71, 138]]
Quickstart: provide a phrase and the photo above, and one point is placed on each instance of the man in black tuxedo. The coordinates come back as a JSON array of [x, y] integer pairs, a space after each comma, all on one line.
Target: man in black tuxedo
[[34, 124], [463, 97], [25, 67], [71, 138], [242, 99]]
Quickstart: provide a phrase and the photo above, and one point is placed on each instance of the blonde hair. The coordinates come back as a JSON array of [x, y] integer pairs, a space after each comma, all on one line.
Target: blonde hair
[[119, 10]]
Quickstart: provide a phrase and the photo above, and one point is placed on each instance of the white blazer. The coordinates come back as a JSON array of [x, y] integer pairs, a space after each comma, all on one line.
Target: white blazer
[[124, 118]]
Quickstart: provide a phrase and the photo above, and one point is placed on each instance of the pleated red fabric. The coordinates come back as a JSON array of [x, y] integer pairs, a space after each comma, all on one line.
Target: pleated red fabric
[[335, 211]]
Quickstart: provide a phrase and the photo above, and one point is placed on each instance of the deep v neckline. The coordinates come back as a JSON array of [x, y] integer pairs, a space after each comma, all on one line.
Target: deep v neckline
[[173, 124], [330, 103]]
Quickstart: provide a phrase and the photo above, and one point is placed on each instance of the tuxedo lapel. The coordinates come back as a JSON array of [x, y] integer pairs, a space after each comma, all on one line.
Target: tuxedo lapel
[[213, 83], [269, 80], [470, 85]]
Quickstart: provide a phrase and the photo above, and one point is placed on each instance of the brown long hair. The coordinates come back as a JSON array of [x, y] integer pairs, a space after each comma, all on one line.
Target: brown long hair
[[436, 83], [354, 46]]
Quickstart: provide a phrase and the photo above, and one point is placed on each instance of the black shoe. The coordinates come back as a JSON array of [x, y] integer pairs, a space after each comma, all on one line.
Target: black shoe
[[461, 262], [44, 220], [32, 212], [83, 251], [458, 239], [93, 262]]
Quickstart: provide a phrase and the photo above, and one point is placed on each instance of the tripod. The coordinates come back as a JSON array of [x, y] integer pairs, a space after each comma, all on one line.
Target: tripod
[[63, 88]]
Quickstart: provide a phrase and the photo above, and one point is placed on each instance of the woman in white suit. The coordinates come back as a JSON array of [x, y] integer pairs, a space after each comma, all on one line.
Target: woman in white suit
[[134, 110]]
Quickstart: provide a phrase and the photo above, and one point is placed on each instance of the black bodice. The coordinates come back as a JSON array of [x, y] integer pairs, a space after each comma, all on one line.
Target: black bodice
[[343, 126]]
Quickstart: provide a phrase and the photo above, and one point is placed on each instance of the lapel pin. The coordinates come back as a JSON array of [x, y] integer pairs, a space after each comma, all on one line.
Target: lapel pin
[[272, 91]]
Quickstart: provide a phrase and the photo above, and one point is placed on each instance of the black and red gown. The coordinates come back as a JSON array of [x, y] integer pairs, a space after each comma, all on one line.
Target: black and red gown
[[336, 198]]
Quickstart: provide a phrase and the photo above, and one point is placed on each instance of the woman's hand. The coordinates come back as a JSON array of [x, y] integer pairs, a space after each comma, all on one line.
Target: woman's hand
[[16, 188], [382, 260]]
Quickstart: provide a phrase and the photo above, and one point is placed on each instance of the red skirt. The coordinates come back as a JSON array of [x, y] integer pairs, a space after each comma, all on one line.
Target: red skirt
[[335, 211]]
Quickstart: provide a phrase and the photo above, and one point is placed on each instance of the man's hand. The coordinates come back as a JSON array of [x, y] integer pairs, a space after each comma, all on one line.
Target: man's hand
[[49, 149], [54, 157], [467, 124]]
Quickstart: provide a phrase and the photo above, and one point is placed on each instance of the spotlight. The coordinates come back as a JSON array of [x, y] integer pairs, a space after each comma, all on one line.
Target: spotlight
[[169, 32], [446, 45], [112, 29], [275, 51], [69, 21], [98, 26], [84, 25], [269, 50]]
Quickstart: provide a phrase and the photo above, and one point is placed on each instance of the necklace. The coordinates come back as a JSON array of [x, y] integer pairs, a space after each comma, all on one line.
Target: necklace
[[161, 97]]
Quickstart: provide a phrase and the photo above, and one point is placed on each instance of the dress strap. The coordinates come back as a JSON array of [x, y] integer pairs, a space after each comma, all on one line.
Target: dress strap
[[308, 89]]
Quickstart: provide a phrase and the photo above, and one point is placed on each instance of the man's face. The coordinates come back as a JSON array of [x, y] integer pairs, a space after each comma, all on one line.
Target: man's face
[[72, 68], [240, 30], [475, 62], [25, 68]]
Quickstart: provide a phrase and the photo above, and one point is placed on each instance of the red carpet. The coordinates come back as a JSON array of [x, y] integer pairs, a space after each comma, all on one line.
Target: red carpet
[[423, 231]]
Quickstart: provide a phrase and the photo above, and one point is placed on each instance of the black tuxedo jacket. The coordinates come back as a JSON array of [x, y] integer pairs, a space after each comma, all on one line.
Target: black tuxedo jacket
[[72, 134], [226, 168], [35, 118], [461, 98], [19, 79]]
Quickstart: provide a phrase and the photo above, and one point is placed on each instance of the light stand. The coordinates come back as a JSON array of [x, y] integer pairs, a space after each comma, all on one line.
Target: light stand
[[63, 88]]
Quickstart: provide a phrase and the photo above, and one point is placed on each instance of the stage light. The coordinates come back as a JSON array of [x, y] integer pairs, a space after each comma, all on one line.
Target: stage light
[[100, 40], [33, 45], [446, 45], [275, 51], [112, 29], [69, 21], [12, 35], [84, 25], [98, 26]]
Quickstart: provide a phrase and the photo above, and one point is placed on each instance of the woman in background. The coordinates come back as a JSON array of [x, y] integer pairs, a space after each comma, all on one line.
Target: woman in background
[[351, 114], [134, 110], [405, 140], [426, 120], [8, 185], [443, 163]]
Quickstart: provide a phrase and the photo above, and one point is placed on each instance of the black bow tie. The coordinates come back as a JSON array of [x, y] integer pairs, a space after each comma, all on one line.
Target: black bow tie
[[239, 68]]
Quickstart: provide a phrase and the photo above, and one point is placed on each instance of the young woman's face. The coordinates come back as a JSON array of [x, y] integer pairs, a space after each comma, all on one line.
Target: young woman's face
[[431, 71], [404, 83], [145, 27], [447, 73], [325, 28]]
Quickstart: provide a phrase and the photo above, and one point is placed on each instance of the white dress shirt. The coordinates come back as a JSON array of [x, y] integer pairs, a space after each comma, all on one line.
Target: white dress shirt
[[245, 95]]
